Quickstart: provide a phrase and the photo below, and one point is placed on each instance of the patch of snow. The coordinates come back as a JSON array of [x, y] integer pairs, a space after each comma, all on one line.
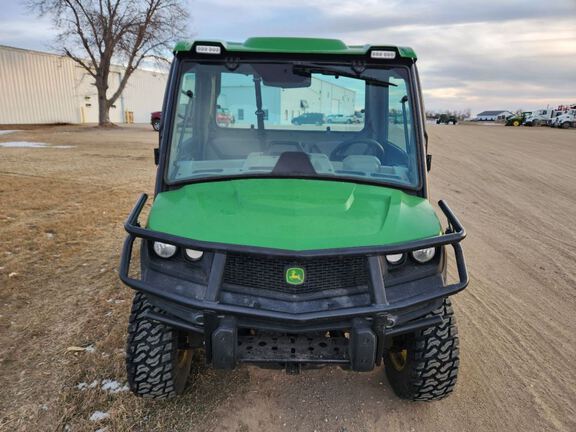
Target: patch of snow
[[84, 386], [99, 415], [31, 144], [4, 132], [115, 301], [107, 385], [104, 429], [77, 349], [113, 386]]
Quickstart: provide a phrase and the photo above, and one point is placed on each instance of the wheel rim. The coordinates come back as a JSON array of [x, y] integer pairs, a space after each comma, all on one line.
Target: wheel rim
[[181, 363], [183, 351], [182, 357], [398, 359]]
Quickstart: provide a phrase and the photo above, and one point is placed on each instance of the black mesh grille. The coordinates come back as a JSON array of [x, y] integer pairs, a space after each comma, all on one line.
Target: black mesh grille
[[320, 273]]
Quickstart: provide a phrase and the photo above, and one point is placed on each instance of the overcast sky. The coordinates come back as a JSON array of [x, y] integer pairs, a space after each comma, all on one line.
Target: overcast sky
[[491, 54]]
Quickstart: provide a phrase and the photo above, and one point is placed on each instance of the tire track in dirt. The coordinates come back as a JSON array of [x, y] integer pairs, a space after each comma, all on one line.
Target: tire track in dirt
[[513, 188]]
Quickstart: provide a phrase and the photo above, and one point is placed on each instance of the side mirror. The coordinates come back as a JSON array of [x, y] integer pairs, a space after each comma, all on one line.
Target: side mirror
[[428, 162]]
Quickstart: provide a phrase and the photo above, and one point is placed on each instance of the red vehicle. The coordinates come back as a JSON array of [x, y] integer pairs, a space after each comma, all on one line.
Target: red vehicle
[[155, 118], [224, 118]]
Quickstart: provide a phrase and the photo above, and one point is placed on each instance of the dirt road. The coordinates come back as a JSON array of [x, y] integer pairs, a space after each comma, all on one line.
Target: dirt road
[[61, 211]]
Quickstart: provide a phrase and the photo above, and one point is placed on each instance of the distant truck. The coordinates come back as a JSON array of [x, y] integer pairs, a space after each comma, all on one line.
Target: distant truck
[[446, 119], [565, 120], [539, 117], [544, 117]]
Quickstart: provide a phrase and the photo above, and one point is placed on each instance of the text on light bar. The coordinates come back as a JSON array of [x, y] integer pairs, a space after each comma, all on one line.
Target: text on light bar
[[207, 49], [383, 54]]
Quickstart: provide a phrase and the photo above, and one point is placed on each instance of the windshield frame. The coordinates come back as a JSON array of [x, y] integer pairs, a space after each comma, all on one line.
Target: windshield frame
[[181, 64]]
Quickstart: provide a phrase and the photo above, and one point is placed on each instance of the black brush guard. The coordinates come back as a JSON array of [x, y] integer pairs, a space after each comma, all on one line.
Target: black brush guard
[[367, 324]]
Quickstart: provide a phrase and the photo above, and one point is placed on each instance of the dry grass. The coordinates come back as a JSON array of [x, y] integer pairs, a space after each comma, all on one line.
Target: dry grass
[[61, 217]]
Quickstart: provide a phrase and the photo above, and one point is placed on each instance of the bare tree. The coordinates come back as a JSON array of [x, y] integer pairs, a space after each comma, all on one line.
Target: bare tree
[[95, 33]]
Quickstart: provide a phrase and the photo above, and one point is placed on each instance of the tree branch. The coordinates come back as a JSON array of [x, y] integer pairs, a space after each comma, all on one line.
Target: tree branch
[[80, 62], [96, 33]]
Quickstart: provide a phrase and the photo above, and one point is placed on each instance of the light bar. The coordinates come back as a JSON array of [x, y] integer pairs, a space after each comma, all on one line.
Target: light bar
[[207, 49], [378, 54]]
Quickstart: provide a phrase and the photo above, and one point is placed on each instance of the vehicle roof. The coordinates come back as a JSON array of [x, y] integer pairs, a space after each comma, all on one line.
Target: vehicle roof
[[294, 45]]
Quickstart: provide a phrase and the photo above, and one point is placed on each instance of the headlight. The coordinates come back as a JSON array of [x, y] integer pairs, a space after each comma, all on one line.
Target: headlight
[[394, 258], [424, 255], [164, 250], [193, 254]]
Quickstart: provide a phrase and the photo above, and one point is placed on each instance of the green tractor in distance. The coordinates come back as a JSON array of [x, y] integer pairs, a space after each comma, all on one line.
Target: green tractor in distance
[[293, 245], [517, 119]]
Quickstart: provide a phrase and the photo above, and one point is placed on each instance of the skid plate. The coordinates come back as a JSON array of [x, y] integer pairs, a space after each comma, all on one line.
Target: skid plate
[[292, 349]]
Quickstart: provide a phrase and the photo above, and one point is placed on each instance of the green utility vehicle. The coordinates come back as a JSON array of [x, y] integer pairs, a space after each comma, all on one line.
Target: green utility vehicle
[[293, 245]]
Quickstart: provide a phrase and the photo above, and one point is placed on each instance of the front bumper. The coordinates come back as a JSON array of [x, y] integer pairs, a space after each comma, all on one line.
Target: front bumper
[[209, 302]]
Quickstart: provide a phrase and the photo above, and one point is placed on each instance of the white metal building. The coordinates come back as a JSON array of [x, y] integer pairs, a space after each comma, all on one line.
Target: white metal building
[[493, 115], [281, 107], [38, 87]]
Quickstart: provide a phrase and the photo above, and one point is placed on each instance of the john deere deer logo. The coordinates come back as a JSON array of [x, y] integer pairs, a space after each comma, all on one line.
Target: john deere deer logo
[[295, 276]]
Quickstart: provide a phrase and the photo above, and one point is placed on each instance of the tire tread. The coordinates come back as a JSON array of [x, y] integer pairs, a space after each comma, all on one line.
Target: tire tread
[[433, 360], [150, 353]]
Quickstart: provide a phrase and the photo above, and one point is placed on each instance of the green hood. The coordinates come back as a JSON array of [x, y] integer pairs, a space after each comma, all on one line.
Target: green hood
[[293, 214]]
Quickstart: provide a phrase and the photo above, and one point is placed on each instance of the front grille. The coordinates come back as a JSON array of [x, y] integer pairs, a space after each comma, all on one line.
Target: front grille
[[269, 273]]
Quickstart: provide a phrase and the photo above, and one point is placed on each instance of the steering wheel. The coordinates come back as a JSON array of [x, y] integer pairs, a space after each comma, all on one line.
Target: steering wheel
[[339, 153]]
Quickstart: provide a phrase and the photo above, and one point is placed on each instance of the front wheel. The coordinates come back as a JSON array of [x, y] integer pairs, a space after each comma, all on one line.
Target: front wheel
[[156, 125], [158, 357], [423, 366]]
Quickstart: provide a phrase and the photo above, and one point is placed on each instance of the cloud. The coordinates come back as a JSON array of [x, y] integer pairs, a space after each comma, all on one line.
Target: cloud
[[343, 16], [21, 34], [471, 54]]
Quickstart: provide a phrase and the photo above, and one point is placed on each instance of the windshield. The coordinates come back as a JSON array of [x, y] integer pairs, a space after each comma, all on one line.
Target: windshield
[[285, 119]]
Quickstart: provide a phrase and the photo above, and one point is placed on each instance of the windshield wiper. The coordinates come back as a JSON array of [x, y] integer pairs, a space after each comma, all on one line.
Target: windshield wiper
[[306, 69]]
